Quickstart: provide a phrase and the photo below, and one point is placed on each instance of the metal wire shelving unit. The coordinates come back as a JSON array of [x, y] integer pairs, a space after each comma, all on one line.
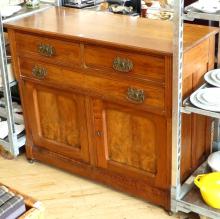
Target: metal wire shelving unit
[[185, 197], [13, 142]]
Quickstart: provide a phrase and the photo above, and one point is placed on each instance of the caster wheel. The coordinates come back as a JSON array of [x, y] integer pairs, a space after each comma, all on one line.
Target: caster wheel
[[31, 161], [170, 213]]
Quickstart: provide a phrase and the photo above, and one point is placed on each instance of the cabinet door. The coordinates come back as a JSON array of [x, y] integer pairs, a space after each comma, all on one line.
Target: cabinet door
[[57, 120], [132, 143]]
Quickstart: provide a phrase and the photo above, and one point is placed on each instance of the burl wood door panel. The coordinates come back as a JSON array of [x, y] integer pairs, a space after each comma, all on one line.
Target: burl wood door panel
[[131, 143], [57, 120]]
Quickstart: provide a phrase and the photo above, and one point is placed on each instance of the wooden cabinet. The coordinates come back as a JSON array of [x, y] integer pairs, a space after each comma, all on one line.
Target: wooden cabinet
[[98, 102], [57, 120]]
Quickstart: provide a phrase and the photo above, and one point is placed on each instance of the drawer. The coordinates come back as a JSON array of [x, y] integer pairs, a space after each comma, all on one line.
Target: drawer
[[143, 96], [50, 50], [140, 65]]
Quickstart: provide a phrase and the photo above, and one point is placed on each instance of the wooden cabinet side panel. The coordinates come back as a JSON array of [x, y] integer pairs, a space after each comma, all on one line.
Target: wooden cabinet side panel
[[195, 128], [16, 70], [186, 150]]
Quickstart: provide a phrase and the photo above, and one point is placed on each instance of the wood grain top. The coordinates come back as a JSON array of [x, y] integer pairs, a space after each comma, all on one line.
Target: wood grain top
[[110, 29]]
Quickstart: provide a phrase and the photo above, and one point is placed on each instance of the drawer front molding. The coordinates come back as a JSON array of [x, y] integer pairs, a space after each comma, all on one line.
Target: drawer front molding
[[125, 63], [121, 91], [51, 50]]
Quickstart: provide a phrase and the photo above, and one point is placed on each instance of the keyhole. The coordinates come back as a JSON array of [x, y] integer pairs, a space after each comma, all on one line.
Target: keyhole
[[98, 133]]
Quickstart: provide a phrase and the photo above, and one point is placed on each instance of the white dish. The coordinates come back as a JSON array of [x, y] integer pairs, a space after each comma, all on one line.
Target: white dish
[[218, 76], [19, 129], [1, 83], [212, 95], [214, 161], [194, 100], [215, 75], [7, 11], [209, 96], [206, 8], [3, 129], [202, 100], [208, 78]]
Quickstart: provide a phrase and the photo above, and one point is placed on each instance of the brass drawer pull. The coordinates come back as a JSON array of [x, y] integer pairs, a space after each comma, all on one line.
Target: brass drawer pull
[[39, 72], [122, 64], [46, 50], [135, 95]]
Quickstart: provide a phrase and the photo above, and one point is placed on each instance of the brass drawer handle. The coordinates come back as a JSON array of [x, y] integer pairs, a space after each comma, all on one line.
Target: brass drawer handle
[[122, 64], [46, 50], [39, 72], [135, 95]]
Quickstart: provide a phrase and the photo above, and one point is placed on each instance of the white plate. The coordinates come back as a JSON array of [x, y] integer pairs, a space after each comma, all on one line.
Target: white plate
[[206, 8], [10, 10], [208, 78], [194, 100], [215, 75], [19, 128], [211, 95], [218, 76], [3, 129], [214, 161], [202, 100]]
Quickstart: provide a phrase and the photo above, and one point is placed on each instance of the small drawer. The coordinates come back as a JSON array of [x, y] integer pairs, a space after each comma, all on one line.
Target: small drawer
[[143, 96], [139, 65], [50, 50]]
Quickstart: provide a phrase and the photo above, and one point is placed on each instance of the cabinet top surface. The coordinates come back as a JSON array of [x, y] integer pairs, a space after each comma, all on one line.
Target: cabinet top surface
[[110, 29]]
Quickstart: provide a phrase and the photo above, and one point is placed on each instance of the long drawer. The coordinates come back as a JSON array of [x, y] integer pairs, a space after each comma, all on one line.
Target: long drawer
[[50, 50], [143, 96], [122, 62]]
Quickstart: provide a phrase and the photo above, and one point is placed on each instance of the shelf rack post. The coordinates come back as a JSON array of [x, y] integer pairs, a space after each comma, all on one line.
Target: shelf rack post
[[184, 197], [216, 144], [58, 3], [219, 45], [13, 143], [177, 100], [12, 138]]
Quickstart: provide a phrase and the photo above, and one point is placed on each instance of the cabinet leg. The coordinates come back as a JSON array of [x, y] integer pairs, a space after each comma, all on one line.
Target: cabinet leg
[[31, 161], [170, 213]]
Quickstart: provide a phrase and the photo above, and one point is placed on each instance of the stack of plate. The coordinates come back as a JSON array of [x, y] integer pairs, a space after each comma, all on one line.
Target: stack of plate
[[213, 77], [208, 99]]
